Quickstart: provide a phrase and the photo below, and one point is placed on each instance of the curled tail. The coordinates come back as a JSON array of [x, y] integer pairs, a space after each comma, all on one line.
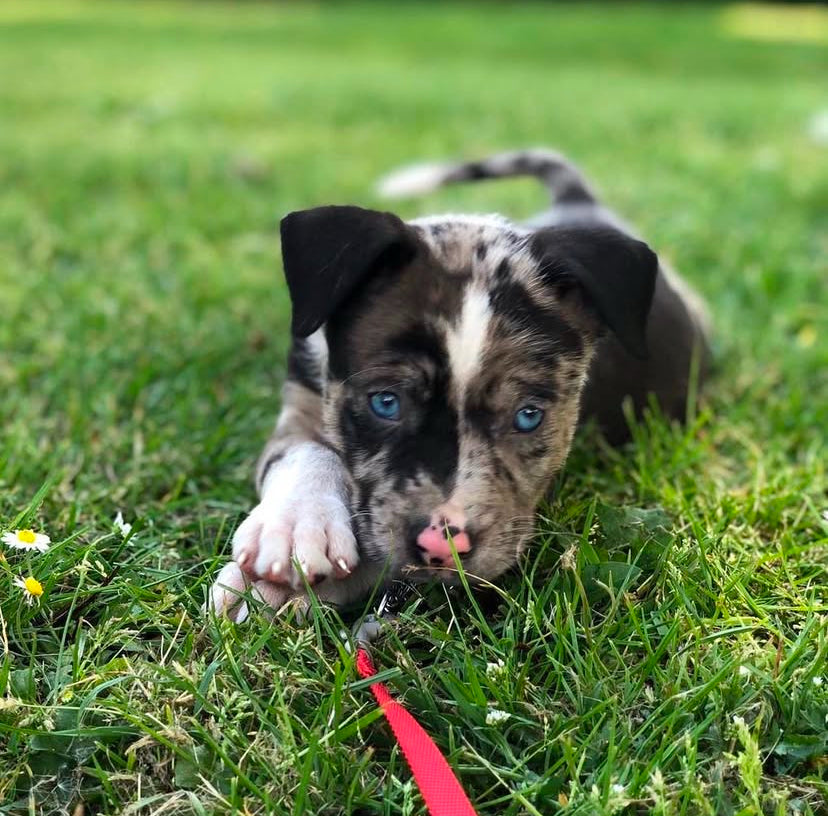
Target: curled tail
[[564, 181]]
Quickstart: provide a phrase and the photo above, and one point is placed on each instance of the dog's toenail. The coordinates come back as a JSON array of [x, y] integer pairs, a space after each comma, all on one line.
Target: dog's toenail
[[275, 568]]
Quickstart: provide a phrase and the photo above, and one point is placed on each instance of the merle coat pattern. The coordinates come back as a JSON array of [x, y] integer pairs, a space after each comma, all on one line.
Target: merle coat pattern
[[438, 372]]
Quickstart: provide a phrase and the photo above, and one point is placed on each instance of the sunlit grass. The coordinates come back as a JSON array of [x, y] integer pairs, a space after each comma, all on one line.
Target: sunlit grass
[[663, 647]]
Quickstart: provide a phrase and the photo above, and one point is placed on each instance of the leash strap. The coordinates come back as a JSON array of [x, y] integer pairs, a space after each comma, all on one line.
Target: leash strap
[[435, 779]]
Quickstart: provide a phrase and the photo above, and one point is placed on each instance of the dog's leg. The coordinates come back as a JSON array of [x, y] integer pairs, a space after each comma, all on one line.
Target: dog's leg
[[301, 529]]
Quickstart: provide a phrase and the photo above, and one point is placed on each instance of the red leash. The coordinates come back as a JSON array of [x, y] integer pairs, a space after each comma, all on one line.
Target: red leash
[[437, 783]]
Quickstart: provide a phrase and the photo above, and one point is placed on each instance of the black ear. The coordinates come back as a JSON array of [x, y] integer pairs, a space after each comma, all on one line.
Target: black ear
[[615, 273], [329, 251]]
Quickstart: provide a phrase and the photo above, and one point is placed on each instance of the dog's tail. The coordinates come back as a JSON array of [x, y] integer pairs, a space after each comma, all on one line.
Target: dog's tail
[[564, 181]]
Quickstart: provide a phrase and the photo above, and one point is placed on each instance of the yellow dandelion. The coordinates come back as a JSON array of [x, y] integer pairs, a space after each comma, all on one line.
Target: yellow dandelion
[[27, 540], [32, 588]]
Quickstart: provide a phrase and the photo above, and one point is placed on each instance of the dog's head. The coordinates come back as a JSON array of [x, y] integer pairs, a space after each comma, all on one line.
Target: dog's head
[[457, 350]]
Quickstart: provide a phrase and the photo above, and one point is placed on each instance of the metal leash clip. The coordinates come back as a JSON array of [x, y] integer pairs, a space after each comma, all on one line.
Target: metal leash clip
[[391, 604]]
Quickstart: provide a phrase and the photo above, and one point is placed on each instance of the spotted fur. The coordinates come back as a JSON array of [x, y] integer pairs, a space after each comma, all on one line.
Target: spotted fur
[[466, 319]]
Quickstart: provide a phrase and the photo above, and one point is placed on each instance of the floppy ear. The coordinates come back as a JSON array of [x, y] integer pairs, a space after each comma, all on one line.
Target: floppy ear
[[329, 251], [614, 273]]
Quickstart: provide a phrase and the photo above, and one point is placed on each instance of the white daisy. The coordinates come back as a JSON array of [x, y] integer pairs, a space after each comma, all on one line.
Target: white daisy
[[27, 540], [32, 588], [123, 527]]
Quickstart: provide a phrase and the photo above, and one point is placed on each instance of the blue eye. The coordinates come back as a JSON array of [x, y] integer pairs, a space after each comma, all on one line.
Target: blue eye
[[528, 418], [385, 404]]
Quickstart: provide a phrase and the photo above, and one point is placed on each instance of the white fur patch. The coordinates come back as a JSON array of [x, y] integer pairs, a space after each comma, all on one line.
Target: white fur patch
[[413, 180], [466, 340], [318, 346], [302, 518]]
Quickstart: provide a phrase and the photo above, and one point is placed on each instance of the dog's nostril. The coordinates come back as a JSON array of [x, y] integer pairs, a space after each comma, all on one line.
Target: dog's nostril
[[451, 530]]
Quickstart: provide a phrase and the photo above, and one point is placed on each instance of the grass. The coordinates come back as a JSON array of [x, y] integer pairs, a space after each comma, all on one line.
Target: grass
[[662, 648]]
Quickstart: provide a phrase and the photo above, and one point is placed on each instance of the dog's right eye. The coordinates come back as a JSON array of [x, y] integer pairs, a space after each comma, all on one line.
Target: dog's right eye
[[528, 419], [385, 404]]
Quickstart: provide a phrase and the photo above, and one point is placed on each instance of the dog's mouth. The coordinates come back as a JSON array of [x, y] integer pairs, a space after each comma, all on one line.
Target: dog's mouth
[[418, 570], [427, 572], [406, 561], [447, 576]]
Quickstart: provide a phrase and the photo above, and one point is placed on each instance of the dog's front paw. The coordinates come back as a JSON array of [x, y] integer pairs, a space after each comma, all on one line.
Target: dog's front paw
[[296, 537], [227, 595]]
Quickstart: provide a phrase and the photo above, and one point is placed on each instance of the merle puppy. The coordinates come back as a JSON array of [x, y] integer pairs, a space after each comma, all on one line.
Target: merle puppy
[[438, 372]]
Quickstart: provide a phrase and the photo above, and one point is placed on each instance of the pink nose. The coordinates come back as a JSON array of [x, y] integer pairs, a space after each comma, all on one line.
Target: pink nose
[[434, 544]]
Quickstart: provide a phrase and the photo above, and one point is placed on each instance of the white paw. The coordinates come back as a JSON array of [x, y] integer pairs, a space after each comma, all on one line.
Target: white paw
[[230, 587], [298, 536]]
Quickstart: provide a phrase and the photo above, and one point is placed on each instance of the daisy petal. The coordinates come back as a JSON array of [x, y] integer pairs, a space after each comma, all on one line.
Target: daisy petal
[[31, 587], [27, 540], [123, 527]]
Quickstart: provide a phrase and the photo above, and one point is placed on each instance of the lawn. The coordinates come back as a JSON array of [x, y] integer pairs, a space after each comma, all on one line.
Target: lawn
[[673, 661]]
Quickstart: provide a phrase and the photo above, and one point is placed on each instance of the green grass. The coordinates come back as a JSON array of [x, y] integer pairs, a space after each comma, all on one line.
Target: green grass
[[146, 154]]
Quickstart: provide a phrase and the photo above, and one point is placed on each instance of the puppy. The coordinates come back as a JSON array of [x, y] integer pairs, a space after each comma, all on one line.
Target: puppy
[[438, 372]]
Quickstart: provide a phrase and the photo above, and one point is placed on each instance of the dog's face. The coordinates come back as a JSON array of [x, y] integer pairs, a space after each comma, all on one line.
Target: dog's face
[[457, 349]]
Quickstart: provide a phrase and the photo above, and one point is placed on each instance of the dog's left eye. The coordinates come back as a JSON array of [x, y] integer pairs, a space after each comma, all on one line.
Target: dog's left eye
[[528, 418], [385, 404]]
